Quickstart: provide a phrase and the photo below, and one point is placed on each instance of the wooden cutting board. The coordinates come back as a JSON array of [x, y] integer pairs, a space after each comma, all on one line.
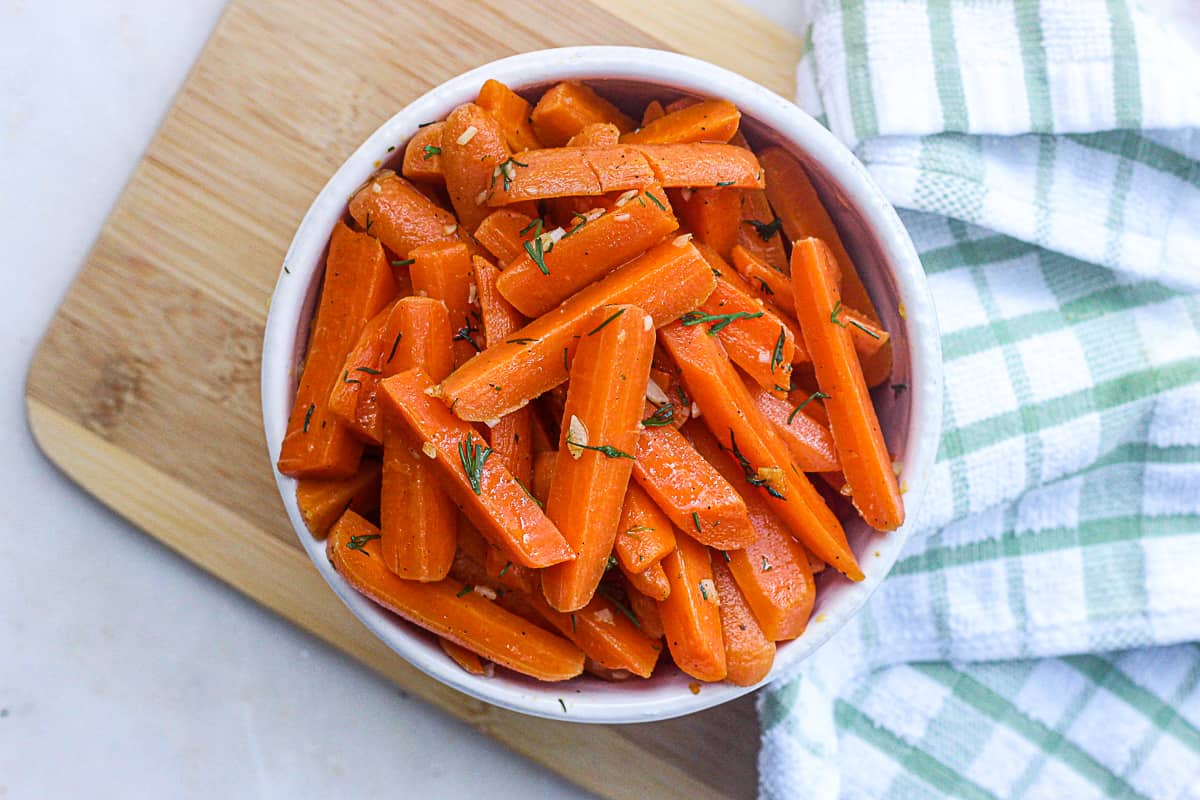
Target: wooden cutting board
[[145, 388]]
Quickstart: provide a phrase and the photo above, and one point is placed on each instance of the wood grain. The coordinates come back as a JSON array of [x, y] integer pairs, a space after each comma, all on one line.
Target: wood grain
[[145, 387]]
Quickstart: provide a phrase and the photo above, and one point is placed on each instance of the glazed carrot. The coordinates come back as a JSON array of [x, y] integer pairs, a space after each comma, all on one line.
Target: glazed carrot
[[467, 619], [863, 454], [771, 282], [666, 281], [644, 535], [759, 231], [773, 573], [473, 149], [646, 610], [553, 268], [499, 565], [595, 455], [443, 271], [651, 582], [417, 518], [358, 283], [322, 501], [803, 214], [360, 370], [597, 134], [749, 654], [462, 656], [543, 474], [570, 172], [680, 103], [806, 392], [689, 491], [399, 215], [423, 155], [501, 233], [809, 442], [564, 110], [733, 418], [481, 487], [602, 630], [654, 110], [711, 215], [512, 112], [707, 121], [690, 615], [703, 164]]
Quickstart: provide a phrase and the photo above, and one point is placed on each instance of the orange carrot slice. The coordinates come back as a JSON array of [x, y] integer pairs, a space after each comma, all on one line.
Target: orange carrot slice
[[322, 501], [399, 215], [503, 233], [465, 618], [358, 283], [711, 215], [809, 442], [749, 654], [570, 172], [606, 632], [864, 457], [566, 109], [703, 164], [443, 271], [651, 582], [463, 657], [597, 134], [654, 110], [483, 488], [423, 155], [691, 616], [665, 282], [544, 462], [511, 111], [473, 149], [707, 121], [360, 370], [645, 609], [644, 535]]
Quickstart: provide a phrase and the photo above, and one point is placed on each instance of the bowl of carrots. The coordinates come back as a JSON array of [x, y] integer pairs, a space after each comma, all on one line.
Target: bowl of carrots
[[600, 383]]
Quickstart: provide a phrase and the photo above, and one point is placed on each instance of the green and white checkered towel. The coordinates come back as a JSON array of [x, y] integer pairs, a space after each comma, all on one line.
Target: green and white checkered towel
[[1047, 156]]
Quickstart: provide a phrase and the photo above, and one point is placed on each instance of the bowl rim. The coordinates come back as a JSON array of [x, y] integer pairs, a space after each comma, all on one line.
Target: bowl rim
[[685, 74]]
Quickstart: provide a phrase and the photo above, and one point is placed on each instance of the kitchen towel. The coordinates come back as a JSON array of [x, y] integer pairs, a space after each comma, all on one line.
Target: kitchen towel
[[1036, 638]]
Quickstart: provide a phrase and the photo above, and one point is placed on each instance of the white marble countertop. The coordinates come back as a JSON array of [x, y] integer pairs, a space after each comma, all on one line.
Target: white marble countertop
[[124, 670]]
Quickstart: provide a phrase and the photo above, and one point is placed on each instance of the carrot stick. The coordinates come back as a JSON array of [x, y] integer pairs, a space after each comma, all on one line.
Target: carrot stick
[[707, 121], [646, 610], [473, 148], [749, 654], [564, 110], [570, 172], [651, 582], [417, 517], [360, 370], [856, 433], [644, 535], [595, 456], [358, 283], [803, 214], [597, 134], [733, 418], [665, 282], [462, 656], [703, 164], [654, 110], [502, 511], [544, 462], [511, 111], [465, 618], [690, 615], [423, 155], [809, 442], [711, 215], [443, 271], [773, 573], [689, 491], [322, 501], [604, 632], [680, 103], [501, 234], [554, 267], [399, 215]]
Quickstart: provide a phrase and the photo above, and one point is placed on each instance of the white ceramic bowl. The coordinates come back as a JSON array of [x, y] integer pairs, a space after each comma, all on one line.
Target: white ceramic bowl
[[874, 236]]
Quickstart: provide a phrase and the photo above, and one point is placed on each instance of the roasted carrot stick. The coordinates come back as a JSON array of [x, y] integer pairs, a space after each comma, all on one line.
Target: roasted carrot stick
[[465, 618], [703, 164], [646, 610], [733, 418], [462, 656], [503, 233], [597, 134], [512, 112], [322, 501], [711, 215], [773, 573], [689, 491], [482, 487], [863, 454], [707, 121], [553, 268], [690, 615], [651, 582], [809, 442], [595, 455], [749, 654], [644, 535], [564, 110], [423, 155], [802, 213], [443, 271], [360, 370], [473, 149], [604, 631], [358, 283], [417, 518], [654, 110], [570, 172], [665, 282], [392, 210]]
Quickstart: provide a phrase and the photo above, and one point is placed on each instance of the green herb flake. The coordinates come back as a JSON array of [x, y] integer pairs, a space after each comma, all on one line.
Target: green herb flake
[[519, 341], [308, 415], [404, 262], [656, 201], [864, 329], [534, 225], [596, 329], [727, 557], [696, 521], [473, 456], [720, 321], [564, 705], [347, 379], [359, 543], [426, 124], [899, 389], [607, 450], [703, 590], [369, 370], [748, 469], [392, 148], [464, 334], [777, 356], [465, 590], [286, 270], [520, 483], [611, 563], [505, 569], [537, 253], [806, 401], [833, 315], [431, 150], [395, 344], [566, 366], [574, 628], [624, 609], [665, 415], [766, 230]]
